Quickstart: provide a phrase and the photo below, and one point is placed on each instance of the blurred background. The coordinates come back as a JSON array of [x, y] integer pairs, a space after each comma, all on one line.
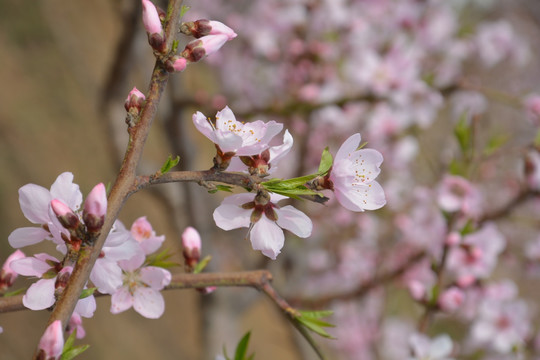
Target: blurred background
[[66, 68]]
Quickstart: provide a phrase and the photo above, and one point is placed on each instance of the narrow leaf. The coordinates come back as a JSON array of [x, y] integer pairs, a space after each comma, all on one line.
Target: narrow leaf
[[14, 292], [184, 10], [169, 164], [87, 292], [241, 348], [202, 264], [76, 351], [326, 162]]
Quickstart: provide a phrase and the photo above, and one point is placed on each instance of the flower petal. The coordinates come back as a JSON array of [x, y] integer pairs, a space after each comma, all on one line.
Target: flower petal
[[40, 295], [30, 266], [348, 147], [361, 197], [106, 276], [148, 302], [267, 237], [294, 220], [64, 189], [34, 201], [230, 215], [86, 307], [156, 277], [27, 236], [121, 300]]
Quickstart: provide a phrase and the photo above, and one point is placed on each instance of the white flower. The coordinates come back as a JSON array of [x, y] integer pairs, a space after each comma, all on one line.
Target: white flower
[[233, 136], [266, 232], [423, 348], [353, 175]]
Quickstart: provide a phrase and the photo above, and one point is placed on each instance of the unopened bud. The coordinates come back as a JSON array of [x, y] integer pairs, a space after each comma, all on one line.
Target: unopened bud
[[95, 208], [205, 46], [7, 275], [51, 343], [176, 64], [152, 24], [191, 242], [65, 215], [135, 100], [151, 20], [205, 27]]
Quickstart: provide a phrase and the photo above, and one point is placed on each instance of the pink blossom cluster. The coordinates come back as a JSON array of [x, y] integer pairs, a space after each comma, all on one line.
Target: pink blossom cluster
[[122, 270]]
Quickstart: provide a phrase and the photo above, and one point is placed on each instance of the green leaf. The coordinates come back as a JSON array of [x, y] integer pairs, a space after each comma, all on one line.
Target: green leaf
[[225, 188], [311, 320], [87, 292], [293, 188], [468, 228], [76, 351], [463, 133], [326, 162], [184, 10], [241, 348], [14, 292], [69, 352], [202, 264], [495, 143], [160, 260], [169, 164], [174, 46], [457, 168]]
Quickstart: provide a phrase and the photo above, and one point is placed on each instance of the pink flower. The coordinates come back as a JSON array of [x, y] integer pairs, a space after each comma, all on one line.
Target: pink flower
[[532, 169], [423, 347], [151, 20], [266, 162], [51, 343], [503, 325], [142, 231], [457, 194], [120, 245], [233, 136], [265, 220], [41, 294], [7, 274], [140, 289], [35, 203], [353, 175], [477, 255]]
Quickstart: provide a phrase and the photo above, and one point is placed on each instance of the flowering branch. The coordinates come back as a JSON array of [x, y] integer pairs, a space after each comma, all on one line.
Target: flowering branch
[[123, 186]]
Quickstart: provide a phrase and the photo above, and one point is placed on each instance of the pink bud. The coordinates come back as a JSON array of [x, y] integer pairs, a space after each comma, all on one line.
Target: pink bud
[[95, 208], [176, 64], [151, 20], [205, 27], [135, 99], [453, 238], [52, 341], [205, 46], [65, 215], [207, 290], [7, 275], [451, 299], [191, 241]]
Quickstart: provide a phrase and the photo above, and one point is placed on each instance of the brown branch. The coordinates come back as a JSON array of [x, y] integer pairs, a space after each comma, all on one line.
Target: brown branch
[[123, 186], [524, 195], [201, 177], [258, 279]]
